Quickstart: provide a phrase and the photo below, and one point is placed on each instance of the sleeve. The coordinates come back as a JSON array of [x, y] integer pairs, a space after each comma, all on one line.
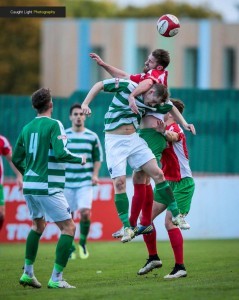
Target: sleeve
[[176, 128], [136, 77], [59, 141], [19, 154], [97, 154]]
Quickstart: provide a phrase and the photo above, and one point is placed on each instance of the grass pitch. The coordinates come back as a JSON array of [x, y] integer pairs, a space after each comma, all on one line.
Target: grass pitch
[[110, 272]]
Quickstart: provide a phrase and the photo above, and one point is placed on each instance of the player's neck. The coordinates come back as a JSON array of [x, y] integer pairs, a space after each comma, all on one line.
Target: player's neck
[[78, 129], [170, 121], [45, 114]]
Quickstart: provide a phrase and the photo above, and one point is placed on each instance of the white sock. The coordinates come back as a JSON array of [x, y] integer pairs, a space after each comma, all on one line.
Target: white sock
[[28, 269], [56, 276]]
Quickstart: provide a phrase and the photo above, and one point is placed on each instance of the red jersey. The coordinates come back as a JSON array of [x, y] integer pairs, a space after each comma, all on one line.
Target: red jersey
[[175, 163], [158, 76], [5, 149]]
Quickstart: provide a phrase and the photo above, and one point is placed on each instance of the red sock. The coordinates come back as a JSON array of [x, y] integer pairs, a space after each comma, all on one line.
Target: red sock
[[137, 200], [150, 241], [147, 207], [176, 240]]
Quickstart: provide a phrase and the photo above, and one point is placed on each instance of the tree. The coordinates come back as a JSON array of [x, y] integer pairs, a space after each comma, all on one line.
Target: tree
[[19, 50], [180, 10]]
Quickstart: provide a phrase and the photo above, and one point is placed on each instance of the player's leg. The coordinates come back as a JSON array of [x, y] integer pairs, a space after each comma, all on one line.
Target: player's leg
[[63, 247], [84, 204], [157, 144], [163, 192], [146, 215], [139, 182], [119, 146], [84, 231], [145, 226], [58, 210], [72, 200], [122, 206], [139, 156], [183, 191], [150, 240], [32, 242]]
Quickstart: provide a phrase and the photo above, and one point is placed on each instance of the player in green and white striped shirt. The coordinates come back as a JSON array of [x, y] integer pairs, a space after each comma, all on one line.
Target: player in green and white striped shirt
[[81, 179], [40, 155], [123, 144]]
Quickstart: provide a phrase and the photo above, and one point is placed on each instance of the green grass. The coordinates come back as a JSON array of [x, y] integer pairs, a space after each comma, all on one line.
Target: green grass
[[212, 266]]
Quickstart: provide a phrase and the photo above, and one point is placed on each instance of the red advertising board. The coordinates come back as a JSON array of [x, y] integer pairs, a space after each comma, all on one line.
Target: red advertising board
[[104, 220]]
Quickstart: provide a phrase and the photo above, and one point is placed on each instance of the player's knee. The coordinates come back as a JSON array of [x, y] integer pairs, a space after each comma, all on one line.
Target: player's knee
[[139, 178], [39, 225], [42, 227], [120, 185], [67, 227], [158, 175], [168, 222], [70, 229], [85, 214]]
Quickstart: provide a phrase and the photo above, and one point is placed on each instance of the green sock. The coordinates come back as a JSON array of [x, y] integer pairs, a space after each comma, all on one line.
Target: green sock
[[63, 249], [122, 205], [58, 268], [164, 194], [84, 230], [173, 207], [32, 247], [73, 247]]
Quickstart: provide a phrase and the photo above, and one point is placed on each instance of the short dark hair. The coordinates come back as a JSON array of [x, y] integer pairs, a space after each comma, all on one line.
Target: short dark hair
[[41, 99], [73, 106], [161, 91], [162, 57], [179, 104]]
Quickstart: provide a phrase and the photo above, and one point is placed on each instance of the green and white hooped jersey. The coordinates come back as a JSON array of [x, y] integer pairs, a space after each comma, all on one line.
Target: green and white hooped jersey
[[119, 112], [87, 143], [40, 154]]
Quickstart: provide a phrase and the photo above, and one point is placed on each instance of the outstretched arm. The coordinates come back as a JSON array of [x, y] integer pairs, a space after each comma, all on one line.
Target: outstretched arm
[[114, 72], [180, 119], [90, 96]]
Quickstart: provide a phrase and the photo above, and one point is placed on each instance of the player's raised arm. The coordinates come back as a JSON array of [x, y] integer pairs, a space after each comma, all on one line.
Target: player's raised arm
[[114, 72], [180, 119], [97, 87], [143, 86]]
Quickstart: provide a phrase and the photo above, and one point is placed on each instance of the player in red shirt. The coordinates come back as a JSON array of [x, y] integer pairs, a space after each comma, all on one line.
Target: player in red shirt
[[6, 150], [154, 71], [175, 165]]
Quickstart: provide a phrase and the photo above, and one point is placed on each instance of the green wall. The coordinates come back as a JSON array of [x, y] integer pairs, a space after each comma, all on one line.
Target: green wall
[[214, 113]]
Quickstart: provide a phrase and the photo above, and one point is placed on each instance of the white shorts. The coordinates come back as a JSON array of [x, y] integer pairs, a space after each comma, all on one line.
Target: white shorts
[[121, 149], [53, 208], [79, 198]]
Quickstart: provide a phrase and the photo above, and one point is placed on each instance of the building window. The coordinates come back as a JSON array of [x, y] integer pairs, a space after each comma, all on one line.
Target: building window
[[229, 70], [190, 67], [142, 55], [96, 72]]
